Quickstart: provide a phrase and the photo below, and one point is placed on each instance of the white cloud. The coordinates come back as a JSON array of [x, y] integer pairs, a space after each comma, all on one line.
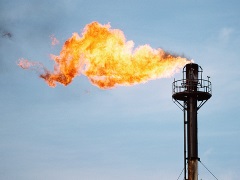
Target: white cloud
[[225, 33], [207, 152]]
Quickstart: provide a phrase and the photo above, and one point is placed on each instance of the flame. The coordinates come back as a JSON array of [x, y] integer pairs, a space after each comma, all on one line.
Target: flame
[[107, 59], [54, 40]]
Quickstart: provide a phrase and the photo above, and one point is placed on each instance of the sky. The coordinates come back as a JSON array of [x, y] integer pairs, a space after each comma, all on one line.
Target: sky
[[135, 132]]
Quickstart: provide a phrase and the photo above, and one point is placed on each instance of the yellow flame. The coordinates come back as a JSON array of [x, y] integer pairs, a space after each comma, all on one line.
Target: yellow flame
[[107, 59]]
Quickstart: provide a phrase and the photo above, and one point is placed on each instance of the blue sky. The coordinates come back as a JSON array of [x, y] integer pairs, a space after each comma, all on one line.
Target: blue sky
[[82, 132]]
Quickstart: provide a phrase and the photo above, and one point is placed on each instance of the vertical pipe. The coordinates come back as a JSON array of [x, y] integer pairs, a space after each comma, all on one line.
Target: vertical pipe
[[193, 169], [192, 142], [184, 127], [192, 138]]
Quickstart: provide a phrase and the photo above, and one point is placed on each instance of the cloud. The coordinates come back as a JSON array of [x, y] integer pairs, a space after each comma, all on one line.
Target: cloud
[[6, 34], [208, 152], [225, 34]]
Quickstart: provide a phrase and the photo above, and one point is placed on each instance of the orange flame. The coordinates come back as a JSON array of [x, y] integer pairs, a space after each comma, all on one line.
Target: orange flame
[[107, 59]]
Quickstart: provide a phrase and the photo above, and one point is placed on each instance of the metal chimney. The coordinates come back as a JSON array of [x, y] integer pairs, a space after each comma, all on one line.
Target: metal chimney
[[190, 93]]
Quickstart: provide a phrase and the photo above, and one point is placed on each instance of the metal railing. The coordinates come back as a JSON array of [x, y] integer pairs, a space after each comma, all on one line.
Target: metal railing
[[191, 86]]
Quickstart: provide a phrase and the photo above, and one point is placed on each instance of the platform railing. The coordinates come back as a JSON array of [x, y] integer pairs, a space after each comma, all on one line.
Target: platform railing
[[196, 85]]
